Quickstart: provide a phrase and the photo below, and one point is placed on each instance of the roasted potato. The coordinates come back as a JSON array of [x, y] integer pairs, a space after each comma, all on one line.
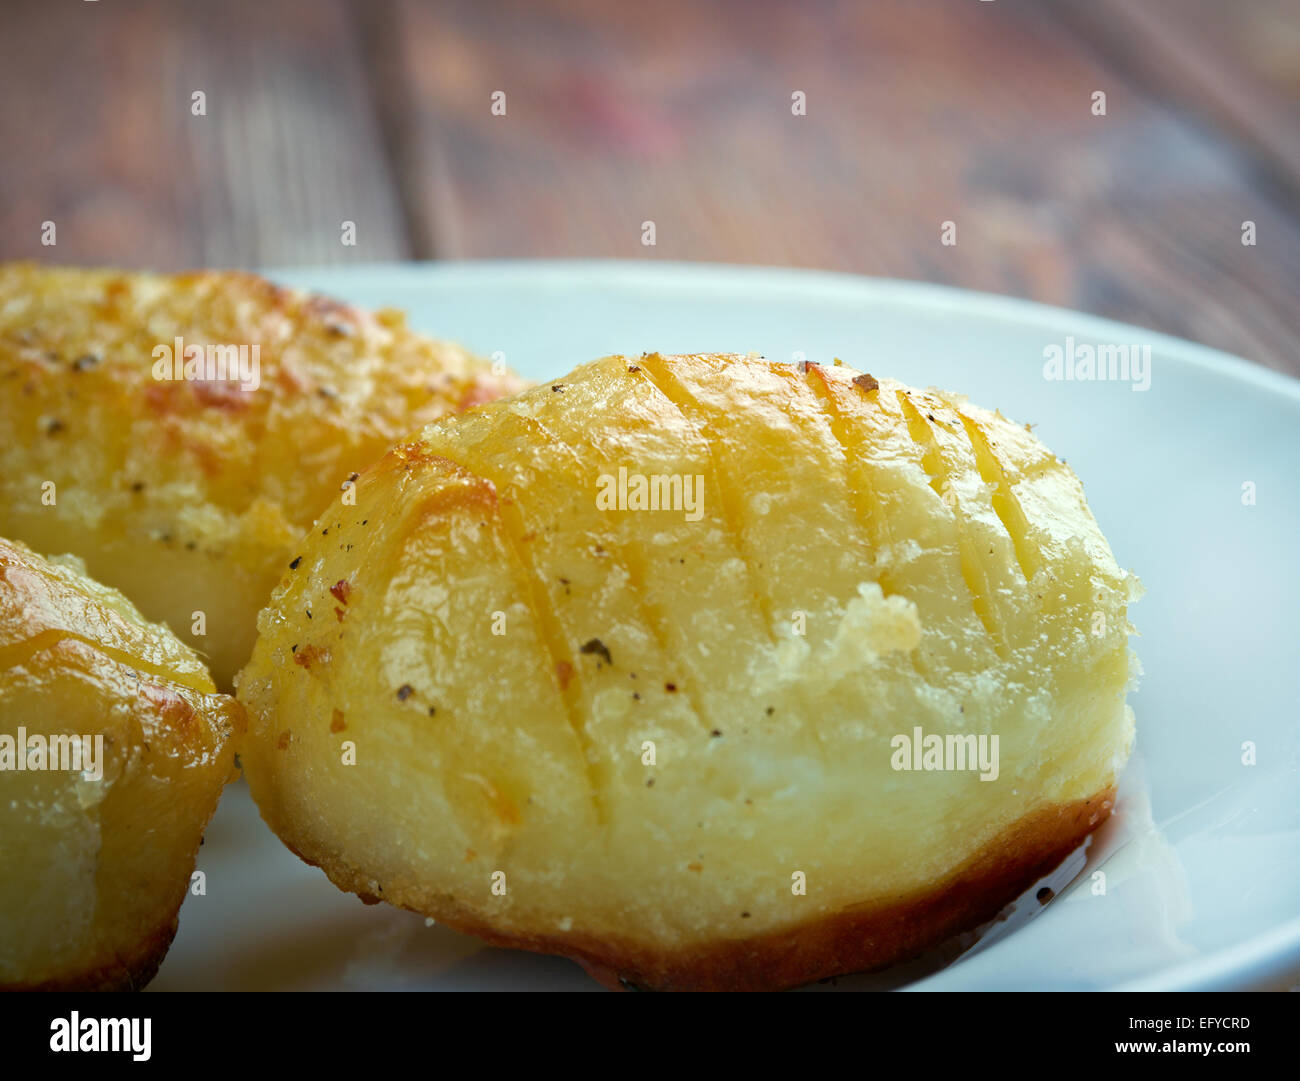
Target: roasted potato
[[184, 491], [114, 748], [645, 666]]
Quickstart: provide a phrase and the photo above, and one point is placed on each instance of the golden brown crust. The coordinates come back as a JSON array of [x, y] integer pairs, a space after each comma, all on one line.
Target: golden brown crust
[[131, 972], [855, 940]]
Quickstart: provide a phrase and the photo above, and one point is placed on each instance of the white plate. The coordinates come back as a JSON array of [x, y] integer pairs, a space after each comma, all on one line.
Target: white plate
[[1202, 864]]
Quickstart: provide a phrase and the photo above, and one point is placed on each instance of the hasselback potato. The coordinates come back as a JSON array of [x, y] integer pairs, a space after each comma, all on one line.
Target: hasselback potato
[[184, 480], [646, 666], [114, 748]]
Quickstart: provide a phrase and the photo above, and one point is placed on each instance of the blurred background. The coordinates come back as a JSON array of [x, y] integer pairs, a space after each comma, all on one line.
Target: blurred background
[[158, 133]]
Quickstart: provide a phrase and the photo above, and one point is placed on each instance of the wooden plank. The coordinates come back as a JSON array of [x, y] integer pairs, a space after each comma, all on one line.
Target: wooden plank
[[1233, 64], [99, 136], [918, 113]]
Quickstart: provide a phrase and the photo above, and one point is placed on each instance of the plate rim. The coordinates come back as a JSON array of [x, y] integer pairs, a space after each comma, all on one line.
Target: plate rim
[[626, 274]]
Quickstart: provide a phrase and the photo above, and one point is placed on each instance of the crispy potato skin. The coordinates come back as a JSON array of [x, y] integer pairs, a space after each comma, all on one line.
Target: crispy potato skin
[[96, 869], [189, 495], [664, 741]]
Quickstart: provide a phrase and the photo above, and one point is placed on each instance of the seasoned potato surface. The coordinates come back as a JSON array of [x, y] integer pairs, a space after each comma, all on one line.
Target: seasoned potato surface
[[187, 493], [692, 746]]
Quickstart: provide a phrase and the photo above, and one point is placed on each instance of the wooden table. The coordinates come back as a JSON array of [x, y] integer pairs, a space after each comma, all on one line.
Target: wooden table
[[975, 112]]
